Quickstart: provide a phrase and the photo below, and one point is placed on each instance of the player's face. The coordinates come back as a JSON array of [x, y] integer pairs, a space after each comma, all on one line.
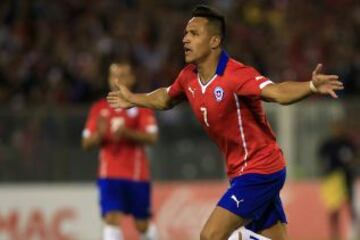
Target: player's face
[[121, 73], [196, 40]]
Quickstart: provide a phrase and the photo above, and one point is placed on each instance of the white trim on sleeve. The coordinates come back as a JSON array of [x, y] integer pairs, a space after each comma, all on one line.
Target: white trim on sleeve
[[264, 84], [151, 129], [86, 133]]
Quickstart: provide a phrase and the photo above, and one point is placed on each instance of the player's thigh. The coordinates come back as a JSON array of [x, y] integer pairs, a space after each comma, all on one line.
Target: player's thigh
[[276, 232], [140, 200], [221, 224], [271, 216], [111, 198]]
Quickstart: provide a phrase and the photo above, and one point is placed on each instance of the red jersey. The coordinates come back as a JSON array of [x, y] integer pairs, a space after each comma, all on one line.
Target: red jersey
[[124, 159], [229, 108]]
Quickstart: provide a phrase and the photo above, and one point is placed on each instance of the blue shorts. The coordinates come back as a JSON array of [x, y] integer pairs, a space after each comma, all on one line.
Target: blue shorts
[[256, 197], [126, 196]]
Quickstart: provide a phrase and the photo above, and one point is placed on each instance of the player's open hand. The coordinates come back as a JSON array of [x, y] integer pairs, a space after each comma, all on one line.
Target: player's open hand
[[326, 84], [119, 98]]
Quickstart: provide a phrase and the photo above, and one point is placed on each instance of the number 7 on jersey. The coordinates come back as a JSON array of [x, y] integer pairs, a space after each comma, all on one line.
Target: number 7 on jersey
[[204, 112]]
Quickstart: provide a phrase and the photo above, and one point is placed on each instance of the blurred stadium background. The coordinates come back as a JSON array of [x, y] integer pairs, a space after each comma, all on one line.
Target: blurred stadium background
[[53, 63]]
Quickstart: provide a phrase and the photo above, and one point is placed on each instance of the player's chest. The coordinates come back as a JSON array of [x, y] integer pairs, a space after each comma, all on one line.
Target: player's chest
[[212, 101], [123, 117]]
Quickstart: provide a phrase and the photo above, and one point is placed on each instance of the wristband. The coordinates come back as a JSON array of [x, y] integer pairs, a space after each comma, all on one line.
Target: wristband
[[312, 87]]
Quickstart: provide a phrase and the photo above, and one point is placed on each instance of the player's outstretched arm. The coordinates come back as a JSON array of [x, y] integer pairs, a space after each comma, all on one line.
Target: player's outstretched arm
[[290, 92], [123, 98]]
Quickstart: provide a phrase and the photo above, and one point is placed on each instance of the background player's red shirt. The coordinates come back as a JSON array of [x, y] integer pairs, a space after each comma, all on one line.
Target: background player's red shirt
[[123, 159], [230, 110]]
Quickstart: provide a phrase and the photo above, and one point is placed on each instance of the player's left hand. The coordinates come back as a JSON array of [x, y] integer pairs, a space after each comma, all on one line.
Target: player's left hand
[[326, 84]]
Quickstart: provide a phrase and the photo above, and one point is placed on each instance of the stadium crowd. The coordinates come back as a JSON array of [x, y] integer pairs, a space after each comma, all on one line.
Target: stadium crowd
[[58, 51]]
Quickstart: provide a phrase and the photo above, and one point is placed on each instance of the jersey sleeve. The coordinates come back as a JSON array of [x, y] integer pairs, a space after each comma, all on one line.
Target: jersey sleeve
[[147, 121], [91, 121], [176, 90], [249, 82]]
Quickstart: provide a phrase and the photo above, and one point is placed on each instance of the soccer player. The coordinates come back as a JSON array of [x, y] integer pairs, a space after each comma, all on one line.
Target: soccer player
[[225, 96], [339, 156], [121, 135]]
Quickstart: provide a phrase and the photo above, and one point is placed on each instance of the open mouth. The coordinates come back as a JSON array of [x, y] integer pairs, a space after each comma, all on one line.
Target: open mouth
[[187, 50]]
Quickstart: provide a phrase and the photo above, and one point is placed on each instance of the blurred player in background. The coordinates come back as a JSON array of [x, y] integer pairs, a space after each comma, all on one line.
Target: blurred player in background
[[121, 136], [225, 96], [339, 161]]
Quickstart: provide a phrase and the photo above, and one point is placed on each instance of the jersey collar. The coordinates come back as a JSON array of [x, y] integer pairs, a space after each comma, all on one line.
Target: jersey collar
[[223, 60]]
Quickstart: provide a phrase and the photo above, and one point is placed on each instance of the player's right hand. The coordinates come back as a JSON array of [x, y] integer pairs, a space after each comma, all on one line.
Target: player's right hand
[[119, 98], [326, 84]]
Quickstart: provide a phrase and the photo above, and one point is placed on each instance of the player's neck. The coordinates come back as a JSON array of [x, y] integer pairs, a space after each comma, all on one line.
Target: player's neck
[[207, 68]]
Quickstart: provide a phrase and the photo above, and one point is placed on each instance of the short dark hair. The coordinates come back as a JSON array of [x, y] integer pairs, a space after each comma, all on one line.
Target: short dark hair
[[214, 18]]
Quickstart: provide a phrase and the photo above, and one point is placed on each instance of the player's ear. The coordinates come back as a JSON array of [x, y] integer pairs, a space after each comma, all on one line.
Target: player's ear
[[215, 41]]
